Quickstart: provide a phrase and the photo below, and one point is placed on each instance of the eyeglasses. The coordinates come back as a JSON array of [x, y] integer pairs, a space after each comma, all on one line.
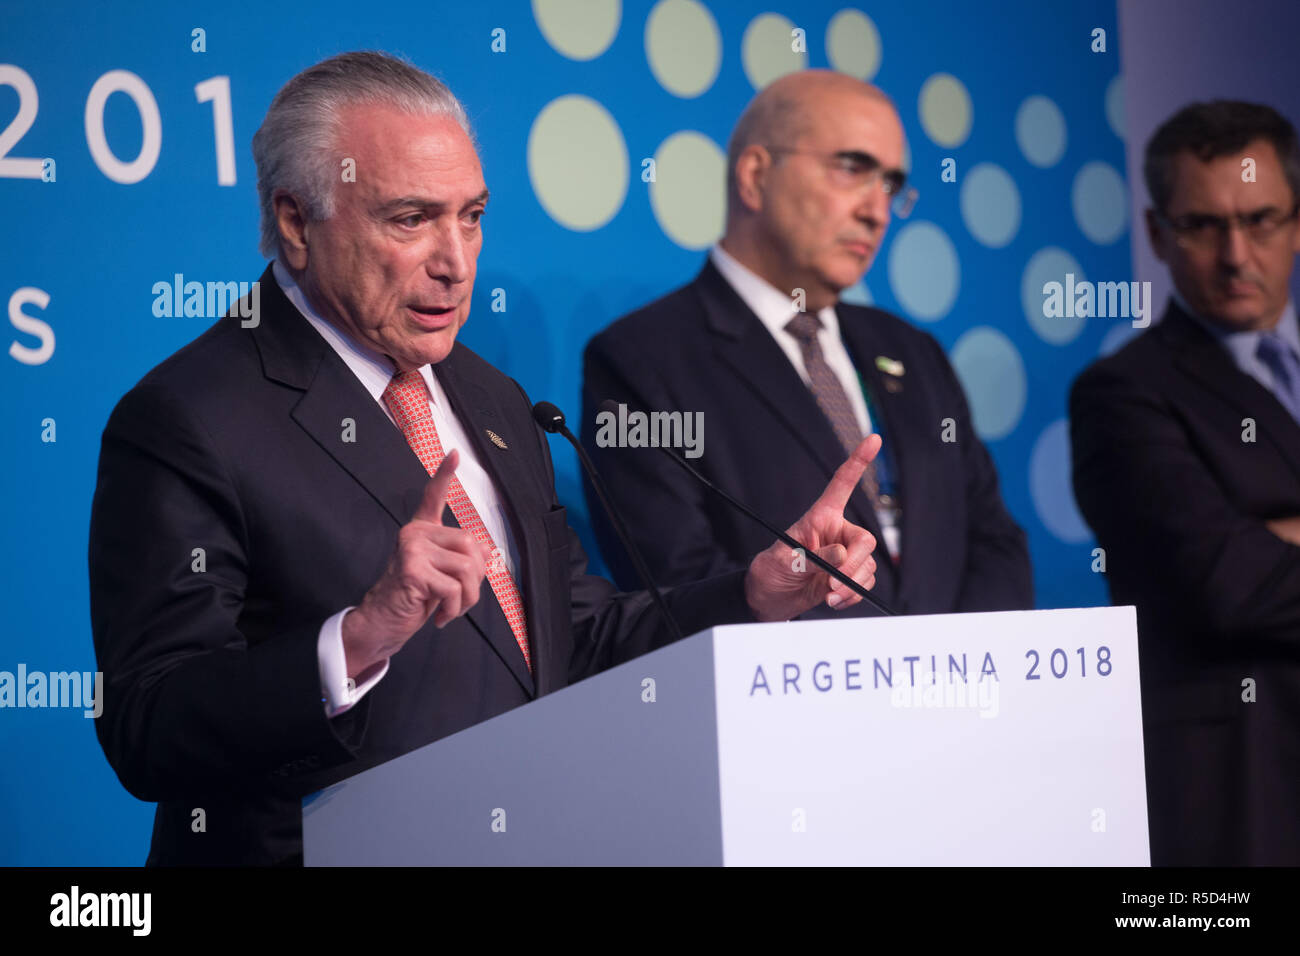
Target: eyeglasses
[[1203, 232], [854, 169]]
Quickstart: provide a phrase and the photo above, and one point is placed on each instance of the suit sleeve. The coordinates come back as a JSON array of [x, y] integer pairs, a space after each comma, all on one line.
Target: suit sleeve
[[998, 575], [191, 707], [1154, 504], [666, 512], [610, 627]]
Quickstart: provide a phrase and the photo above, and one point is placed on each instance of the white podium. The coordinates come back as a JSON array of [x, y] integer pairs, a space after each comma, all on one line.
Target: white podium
[[1009, 738]]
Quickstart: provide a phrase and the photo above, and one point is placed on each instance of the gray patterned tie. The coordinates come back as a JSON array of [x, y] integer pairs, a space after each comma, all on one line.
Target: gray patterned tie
[[830, 396]]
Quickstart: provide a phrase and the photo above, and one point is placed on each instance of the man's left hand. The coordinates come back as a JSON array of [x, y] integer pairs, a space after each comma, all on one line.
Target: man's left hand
[[782, 584]]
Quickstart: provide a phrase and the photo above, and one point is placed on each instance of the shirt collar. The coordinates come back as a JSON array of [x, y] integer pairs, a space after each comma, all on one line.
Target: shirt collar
[[374, 369], [1243, 345], [772, 306]]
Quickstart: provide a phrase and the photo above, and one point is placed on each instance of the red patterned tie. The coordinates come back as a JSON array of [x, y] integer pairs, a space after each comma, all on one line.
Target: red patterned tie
[[407, 397]]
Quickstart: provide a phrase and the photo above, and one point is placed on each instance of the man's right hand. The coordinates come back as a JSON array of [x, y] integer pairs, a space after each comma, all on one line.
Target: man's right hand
[[434, 571]]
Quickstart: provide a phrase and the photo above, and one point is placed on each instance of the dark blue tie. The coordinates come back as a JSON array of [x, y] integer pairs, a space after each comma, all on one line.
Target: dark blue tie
[[1282, 361]]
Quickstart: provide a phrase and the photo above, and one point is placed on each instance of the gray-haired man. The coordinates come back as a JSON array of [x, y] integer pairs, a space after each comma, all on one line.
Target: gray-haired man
[[281, 595]]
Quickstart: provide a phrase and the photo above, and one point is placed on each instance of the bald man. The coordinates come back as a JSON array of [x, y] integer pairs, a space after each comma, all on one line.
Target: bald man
[[760, 349]]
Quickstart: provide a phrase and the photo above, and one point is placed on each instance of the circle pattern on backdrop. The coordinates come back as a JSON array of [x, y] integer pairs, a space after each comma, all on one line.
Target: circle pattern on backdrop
[[688, 195], [990, 205], [683, 47], [924, 271], [767, 50], [1100, 202], [853, 44], [580, 31], [1115, 105], [1049, 264], [945, 108], [1040, 131], [992, 373], [577, 162], [1050, 485]]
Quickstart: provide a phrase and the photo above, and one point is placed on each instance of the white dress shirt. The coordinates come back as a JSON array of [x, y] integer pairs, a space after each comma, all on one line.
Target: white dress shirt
[[1243, 347], [375, 371], [774, 309]]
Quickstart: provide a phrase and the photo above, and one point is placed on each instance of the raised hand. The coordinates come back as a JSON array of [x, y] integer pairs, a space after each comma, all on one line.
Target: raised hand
[[435, 571], [780, 586]]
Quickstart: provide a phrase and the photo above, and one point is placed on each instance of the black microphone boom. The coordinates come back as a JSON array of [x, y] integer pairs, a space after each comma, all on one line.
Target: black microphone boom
[[611, 406], [551, 419]]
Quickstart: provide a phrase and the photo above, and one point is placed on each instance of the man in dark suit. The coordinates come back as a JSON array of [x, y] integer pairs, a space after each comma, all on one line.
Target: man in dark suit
[[783, 372], [1186, 450], [281, 595]]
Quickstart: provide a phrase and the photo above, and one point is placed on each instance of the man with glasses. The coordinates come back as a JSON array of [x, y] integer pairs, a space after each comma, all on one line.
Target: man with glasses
[[787, 375], [1187, 466]]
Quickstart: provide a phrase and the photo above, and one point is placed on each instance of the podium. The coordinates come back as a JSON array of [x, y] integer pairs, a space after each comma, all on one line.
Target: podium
[[1009, 738]]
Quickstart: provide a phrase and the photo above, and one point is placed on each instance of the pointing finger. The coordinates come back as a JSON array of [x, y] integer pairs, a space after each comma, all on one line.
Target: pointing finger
[[848, 475], [435, 492]]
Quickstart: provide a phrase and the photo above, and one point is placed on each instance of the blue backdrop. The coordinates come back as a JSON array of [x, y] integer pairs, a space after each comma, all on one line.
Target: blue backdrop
[[564, 95]]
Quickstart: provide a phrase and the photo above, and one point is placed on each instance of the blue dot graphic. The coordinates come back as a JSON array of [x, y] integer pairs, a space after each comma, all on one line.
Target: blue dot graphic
[[924, 271], [1050, 487], [1100, 202], [1115, 105], [1040, 131], [990, 205], [992, 373], [1050, 264]]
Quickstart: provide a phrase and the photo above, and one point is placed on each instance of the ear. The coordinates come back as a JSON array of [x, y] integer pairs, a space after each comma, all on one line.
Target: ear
[[1158, 235], [291, 220], [751, 176]]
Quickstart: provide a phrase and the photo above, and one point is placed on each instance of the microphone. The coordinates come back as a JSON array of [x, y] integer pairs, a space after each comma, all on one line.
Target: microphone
[[551, 420], [609, 405]]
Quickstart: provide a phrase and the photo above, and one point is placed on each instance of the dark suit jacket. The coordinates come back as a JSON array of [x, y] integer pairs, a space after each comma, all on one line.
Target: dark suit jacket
[[236, 445], [1178, 502], [701, 349]]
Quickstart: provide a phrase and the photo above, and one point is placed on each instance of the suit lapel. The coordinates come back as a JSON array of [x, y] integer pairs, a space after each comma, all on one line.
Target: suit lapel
[[294, 354], [378, 458], [1206, 360]]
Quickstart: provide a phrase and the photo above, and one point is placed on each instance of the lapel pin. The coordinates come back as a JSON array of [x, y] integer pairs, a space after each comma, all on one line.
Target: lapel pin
[[889, 366], [496, 439]]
